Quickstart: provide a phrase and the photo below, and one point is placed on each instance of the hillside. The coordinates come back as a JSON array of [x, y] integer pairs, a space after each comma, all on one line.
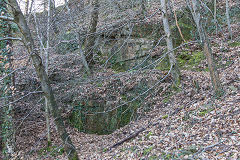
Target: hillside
[[128, 106]]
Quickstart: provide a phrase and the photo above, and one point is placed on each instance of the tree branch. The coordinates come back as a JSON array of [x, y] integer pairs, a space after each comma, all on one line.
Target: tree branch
[[10, 38], [7, 18]]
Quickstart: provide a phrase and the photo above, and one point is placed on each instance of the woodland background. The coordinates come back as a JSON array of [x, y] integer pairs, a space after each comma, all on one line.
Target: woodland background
[[120, 79]]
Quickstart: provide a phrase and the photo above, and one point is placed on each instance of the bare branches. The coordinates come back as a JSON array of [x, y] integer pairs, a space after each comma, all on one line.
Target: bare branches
[[10, 38], [7, 18]]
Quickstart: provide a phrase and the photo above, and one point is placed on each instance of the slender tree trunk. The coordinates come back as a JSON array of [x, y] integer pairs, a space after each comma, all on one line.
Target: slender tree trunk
[[175, 70], [30, 11], [215, 15], [39, 36], [196, 16], [207, 49], [80, 42], [46, 69], [46, 50], [45, 84], [53, 17], [228, 20], [91, 34], [26, 7]]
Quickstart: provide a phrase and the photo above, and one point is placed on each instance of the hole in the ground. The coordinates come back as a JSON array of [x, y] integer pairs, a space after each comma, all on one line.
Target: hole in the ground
[[86, 117]]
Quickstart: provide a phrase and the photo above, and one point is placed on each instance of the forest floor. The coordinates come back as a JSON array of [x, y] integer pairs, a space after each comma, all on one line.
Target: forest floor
[[191, 124]]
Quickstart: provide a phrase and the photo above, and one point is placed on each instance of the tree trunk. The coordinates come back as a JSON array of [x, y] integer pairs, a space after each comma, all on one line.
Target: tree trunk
[[46, 69], [80, 42], [7, 125], [215, 15], [91, 34], [45, 84], [30, 11], [228, 20], [206, 48], [195, 10], [26, 7], [175, 70]]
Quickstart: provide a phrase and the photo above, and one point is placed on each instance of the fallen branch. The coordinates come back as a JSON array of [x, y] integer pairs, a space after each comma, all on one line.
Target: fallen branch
[[127, 138], [207, 148], [135, 134]]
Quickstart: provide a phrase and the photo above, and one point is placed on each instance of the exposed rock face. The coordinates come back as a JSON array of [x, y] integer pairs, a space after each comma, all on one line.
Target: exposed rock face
[[103, 109]]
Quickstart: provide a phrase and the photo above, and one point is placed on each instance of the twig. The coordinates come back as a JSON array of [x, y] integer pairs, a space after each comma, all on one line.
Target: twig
[[10, 38], [7, 18], [179, 29]]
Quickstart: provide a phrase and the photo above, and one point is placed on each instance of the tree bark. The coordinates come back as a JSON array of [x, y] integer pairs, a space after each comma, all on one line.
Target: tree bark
[[26, 7], [215, 15], [195, 9], [175, 69], [45, 84], [46, 69], [6, 89], [91, 34], [80, 42], [228, 20]]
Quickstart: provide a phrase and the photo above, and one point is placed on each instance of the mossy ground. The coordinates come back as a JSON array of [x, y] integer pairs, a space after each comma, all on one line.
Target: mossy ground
[[186, 60], [53, 150], [190, 60]]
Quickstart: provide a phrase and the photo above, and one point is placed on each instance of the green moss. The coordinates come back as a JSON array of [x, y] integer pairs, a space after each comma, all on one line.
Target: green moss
[[53, 150], [105, 149], [104, 123], [148, 150], [203, 112], [148, 135], [153, 157], [164, 65], [234, 44], [119, 67], [165, 116], [99, 84], [167, 156], [190, 61]]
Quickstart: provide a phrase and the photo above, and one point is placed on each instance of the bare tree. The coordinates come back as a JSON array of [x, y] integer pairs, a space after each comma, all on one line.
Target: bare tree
[[175, 70], [46, 68], [195, 9], [90, 42], [45, 84]]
